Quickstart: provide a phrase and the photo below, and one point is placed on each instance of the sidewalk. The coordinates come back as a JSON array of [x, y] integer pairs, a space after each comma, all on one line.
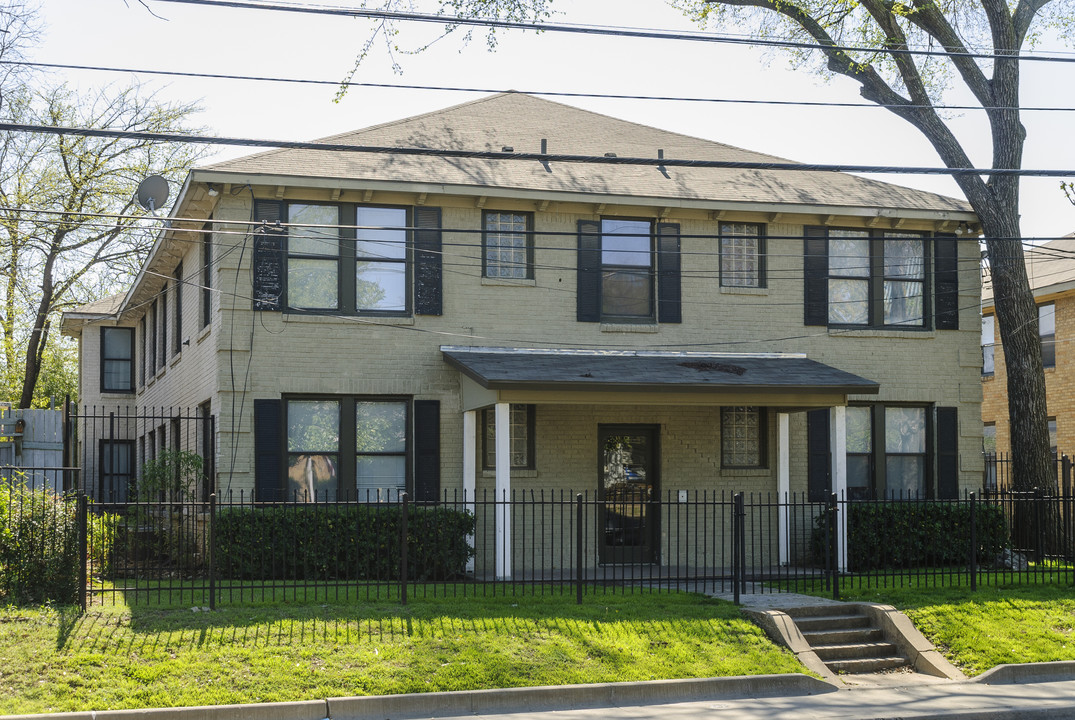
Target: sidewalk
[[1009, 692]]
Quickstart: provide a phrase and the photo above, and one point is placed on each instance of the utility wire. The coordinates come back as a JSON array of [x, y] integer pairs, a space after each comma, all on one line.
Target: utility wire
[[608, 159], [542, 93], [451, 20]]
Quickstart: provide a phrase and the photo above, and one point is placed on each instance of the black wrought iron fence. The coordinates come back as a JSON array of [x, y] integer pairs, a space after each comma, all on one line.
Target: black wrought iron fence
[[179, 550]]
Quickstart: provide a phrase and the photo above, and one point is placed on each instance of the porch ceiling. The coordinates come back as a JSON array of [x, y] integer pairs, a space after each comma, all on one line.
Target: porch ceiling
[[514, 370]]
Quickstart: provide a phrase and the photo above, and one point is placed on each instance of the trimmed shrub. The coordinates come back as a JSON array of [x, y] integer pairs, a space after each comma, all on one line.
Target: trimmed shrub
[[340, 542], [39, 553], [894, 535]]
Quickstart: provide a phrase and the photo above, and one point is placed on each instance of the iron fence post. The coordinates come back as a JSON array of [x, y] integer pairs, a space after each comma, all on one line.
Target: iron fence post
[[403, 549], [83, 548], [834, 546], [578, 548], [737, 546], [211, 550], [1039, 523], [973, 559]]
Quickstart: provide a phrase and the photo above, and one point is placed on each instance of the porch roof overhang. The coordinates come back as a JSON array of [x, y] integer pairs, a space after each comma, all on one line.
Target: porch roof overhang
[[537, 376]]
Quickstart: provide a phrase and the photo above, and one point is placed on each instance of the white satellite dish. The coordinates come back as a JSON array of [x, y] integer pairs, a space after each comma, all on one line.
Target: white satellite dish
[[152, 193]]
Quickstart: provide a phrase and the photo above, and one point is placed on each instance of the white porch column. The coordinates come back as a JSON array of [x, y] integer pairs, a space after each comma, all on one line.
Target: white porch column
[[470, 447], [503, 491], [783, 482], [838, 436]]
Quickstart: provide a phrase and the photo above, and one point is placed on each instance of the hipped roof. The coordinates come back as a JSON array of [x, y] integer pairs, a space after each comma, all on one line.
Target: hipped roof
[[521, 122]]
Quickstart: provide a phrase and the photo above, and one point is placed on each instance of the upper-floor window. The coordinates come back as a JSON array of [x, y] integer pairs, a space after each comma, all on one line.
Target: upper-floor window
[[989, 323], [507, 245], [117, 359], [207, 274], [361, 270], [742, 255], [627, 270], [177, 319], [1047, 333], [162, 319], [151, 351], [863, 278], [142, 356], [521, 442]]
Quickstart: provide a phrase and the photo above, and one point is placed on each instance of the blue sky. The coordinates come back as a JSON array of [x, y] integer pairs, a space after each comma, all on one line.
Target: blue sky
[[244, 42]]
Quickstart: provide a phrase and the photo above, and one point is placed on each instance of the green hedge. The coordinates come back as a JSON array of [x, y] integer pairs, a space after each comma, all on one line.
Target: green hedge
[[39, 553], [887, 536], [345, 542]]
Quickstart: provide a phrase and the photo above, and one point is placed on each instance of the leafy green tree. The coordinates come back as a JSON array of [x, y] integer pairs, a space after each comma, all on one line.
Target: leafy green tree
[[70, 228], [978, 44]]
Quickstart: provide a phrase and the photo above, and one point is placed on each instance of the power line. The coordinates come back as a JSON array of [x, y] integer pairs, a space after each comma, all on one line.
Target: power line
[[608, 159], [392, 15], [542, 93]]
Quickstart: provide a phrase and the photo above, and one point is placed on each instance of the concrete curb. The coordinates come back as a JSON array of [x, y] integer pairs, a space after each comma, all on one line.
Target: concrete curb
[[1060, 671], [470, 702]]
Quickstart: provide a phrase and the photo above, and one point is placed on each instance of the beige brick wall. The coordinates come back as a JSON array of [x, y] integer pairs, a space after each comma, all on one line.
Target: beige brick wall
[[378, 356], [1059, 382]]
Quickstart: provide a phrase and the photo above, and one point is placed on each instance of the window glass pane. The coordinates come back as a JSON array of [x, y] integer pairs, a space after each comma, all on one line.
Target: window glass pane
[[118, 343], [740, 248], [380, 426], [989, 438], [905, 475], [1047, 319], [313, 425], [988, 328], [381, 238], [313, 240], [505, 245], [849, 253], [519, 420], [1052, 434], [903, 303], [741, 437], [858, 476], [117, 374], [312, 477], [905, 430], [626, 293], [382, 472], [380, 286], [904, 258], [859, 430], [625, 242], [312, 283], [849, 301]]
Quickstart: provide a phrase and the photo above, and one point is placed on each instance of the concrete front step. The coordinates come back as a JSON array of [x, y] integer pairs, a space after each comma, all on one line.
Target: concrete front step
[[843, 636], [854, 651], [867, 665], [818, 623]]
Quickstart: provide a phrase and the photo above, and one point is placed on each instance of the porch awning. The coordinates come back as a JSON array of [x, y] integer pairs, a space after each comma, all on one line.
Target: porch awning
[[635, 371]]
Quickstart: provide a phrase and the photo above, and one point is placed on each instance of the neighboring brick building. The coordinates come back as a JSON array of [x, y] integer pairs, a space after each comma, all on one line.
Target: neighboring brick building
[[1051, 270], [462, 324]]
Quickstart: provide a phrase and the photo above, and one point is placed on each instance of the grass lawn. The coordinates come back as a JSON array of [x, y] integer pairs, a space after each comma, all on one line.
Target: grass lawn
[[977, 630], [53, 659]]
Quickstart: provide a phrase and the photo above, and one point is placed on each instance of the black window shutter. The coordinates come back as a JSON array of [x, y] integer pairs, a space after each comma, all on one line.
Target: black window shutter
[[947, 453], [267, 450], [588, 291], [816, 276], [427, 261], [269, 253], [818, 456], [426, 450], [668, 285], [946, 281]]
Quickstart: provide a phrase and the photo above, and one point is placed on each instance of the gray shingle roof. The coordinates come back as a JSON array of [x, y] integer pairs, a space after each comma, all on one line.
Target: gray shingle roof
[[514, 368], [521, 121]]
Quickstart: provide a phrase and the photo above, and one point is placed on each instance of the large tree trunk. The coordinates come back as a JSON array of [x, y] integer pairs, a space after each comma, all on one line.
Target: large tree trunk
[[38, 337]]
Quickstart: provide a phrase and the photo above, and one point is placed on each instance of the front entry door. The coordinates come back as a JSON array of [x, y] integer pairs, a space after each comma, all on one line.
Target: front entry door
[[627, 493]]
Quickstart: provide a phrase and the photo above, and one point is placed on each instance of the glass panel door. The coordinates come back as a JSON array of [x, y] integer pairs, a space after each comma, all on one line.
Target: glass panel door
[[627, 494]]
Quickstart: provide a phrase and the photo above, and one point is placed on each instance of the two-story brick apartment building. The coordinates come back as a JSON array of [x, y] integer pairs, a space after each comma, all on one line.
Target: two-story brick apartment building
[[1051, 270], [451, 324]]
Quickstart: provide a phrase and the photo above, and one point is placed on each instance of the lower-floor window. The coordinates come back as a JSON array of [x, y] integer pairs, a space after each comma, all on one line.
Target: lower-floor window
[[347, 448], [742, 437], [117, 471], [521, 432]]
